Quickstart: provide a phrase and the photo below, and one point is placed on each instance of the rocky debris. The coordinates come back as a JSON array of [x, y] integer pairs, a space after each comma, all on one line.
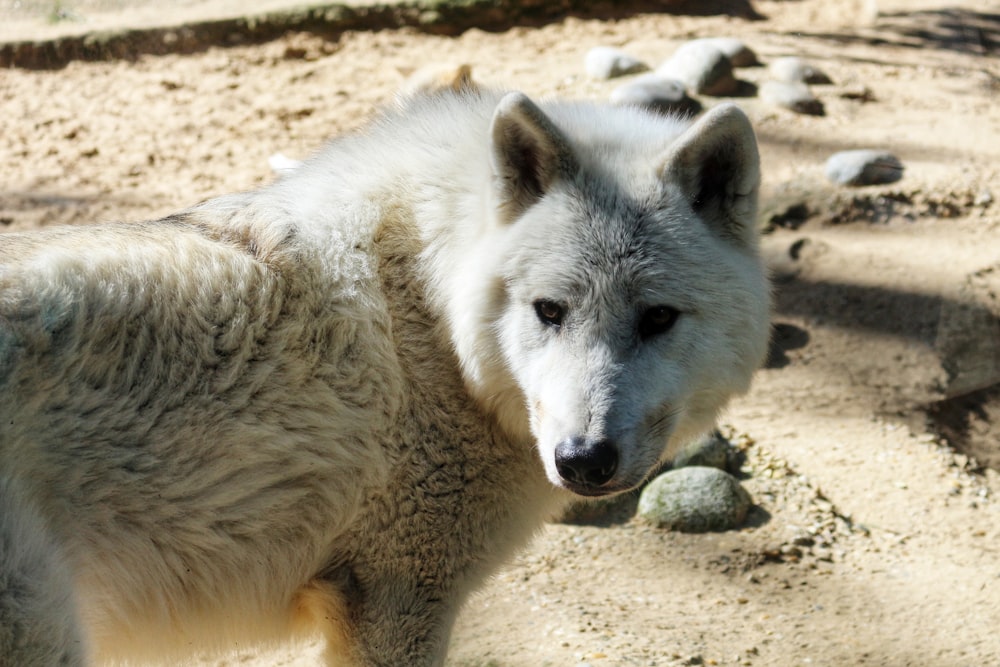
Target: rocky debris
[[793, 96], [695, 499], [791, 216], [816, 525], [863, 167], [702, 67], [791, 205], [655, 92], [793, 69], [607, 62], [908, 205]]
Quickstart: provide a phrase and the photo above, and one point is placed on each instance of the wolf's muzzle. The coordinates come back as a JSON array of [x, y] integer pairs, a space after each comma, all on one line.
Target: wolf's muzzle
[[586, 465]]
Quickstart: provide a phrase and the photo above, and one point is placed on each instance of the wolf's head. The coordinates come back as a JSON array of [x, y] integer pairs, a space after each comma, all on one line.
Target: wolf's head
[[628, 301]]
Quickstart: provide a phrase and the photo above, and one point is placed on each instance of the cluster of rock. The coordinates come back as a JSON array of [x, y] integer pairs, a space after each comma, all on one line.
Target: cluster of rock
[[706, 66], [699, 494]]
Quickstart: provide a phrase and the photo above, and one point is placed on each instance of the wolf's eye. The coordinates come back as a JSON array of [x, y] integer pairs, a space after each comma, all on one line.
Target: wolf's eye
[[549, 313], [657, 320]]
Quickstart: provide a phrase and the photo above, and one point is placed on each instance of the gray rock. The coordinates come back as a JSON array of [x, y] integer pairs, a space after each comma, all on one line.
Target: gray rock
[[739, 54], [606, 62], [793, 69], [712, 451], [793, 96], [652, 91], [694, 500], [702, 67], [864, 167]]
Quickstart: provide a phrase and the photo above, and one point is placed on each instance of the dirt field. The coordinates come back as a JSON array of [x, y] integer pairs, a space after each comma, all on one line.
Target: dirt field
[[876, 541]]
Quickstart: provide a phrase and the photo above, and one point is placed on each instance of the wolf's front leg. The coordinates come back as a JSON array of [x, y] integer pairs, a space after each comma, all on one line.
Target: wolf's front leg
[[383, 621]]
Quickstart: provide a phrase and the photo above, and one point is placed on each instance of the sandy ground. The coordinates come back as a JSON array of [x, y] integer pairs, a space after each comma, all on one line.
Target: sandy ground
[[875, 541]]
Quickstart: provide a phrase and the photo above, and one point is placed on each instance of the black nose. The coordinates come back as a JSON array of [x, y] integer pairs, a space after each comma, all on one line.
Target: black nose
[[584, 462]]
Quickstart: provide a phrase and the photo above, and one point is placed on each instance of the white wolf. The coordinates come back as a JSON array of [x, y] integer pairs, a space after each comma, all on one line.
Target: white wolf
[[338, 403]]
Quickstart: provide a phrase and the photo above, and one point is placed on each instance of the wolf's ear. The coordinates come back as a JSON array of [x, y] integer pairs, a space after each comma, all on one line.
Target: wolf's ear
[[716, 165], [528, 153]]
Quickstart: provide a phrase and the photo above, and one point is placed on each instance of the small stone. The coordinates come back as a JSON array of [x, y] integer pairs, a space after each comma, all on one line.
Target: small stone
[[858, 93], [804, 540], [863, 167], [694, 500], [606, 62], [791, 550], [657, 93], [793, 69], [739, 54], [794, 96], [702, 67]]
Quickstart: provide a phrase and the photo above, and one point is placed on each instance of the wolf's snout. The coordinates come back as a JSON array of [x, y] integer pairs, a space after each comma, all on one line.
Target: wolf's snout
[[586, 463]]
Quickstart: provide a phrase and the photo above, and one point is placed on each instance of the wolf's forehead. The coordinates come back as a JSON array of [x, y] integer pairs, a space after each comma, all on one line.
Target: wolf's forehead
[[591, 255], [622, 229]]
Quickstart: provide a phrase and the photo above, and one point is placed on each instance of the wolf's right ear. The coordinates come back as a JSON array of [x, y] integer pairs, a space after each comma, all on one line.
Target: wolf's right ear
[[716, 165], [528, 153]]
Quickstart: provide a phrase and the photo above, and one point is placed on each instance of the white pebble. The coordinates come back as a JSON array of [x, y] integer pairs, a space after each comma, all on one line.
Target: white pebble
[[863, 167], [739, 54], [702, 67], [655, 92], [606, 62], [791, 95], [793, 69]]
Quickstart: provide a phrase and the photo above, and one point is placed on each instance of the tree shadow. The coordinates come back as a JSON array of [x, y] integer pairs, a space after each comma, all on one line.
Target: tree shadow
[[871, 308], [950, 29], [331, 20], [784, 337], [971, 424]]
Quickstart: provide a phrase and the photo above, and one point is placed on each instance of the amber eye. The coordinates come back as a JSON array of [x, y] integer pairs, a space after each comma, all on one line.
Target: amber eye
[[657, 320], [549, 313]]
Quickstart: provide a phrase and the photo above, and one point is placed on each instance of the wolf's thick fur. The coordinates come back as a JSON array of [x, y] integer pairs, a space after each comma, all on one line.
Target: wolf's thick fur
[[342, 400]]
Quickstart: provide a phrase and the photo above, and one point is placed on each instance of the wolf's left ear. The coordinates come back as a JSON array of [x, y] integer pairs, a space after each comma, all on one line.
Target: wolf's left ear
[[716, 165], [528, 154]]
